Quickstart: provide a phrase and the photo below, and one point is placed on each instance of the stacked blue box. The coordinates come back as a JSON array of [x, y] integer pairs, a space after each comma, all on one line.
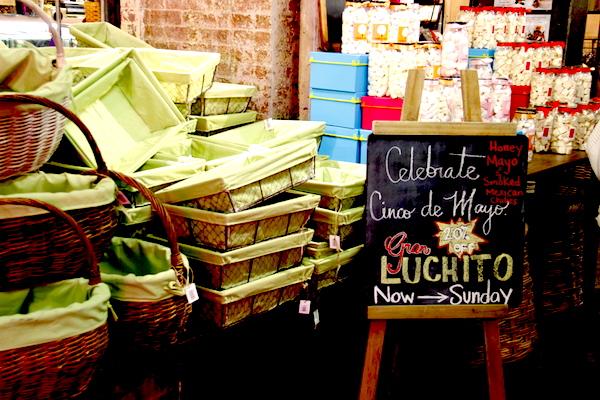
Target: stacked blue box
[[337, 83], [344, 144]]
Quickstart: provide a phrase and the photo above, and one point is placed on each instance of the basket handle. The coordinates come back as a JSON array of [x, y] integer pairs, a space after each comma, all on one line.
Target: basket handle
[[60, 51], [94, 271], [157, 206], [70, 115]]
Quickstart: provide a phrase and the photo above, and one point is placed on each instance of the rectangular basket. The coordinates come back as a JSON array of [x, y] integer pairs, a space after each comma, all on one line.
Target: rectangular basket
[[346, 224], [213, 124], [224, 98], [333, 268], [284, 214], [340, 184], [246, 180], [228, 307], [221, 271]]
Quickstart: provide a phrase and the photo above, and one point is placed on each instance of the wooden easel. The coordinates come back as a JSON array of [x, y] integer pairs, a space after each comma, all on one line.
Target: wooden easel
[[489, 314]]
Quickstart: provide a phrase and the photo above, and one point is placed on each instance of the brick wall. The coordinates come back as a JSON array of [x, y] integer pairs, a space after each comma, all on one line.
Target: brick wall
[[258, 41]]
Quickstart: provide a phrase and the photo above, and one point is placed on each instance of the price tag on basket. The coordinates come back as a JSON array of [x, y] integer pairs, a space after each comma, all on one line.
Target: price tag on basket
[[191, 293], [334, 242], [304, 307]]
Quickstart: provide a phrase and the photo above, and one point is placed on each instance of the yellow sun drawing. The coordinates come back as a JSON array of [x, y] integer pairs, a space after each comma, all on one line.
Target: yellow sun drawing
[[459, 237]]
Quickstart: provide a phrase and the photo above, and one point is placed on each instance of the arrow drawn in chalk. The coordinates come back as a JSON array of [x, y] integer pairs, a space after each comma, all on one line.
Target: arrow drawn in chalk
[[440, 297]]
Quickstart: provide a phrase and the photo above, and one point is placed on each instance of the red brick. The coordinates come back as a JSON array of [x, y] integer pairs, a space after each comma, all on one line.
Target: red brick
[[263, 22], [239, 21]]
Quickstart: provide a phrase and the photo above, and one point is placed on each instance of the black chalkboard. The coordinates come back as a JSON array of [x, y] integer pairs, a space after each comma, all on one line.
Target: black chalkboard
[[445, 219]]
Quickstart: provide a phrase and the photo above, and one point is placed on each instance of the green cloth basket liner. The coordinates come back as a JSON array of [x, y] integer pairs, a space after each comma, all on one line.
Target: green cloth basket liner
[[217, 122], [138, 270], [26, 71], [345, 217], [51, 313], [224, 98], [103, 34], [273, 282], [326, 264], [246, 168], [65, 191], [128, 117], [184, 75], [269, 133], [337, 179], [284, 214]]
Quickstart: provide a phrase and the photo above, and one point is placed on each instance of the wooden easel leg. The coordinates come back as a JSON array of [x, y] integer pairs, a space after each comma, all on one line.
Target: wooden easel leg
[[493, 359], [370, 376]]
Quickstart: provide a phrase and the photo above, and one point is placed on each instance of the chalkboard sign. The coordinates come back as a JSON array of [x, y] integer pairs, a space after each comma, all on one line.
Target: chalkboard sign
[[445, 219]]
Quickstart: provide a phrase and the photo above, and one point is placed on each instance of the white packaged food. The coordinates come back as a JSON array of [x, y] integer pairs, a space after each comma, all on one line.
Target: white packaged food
[[455, 49], [543, 128], [583, 79], [501, 100], [355, 29], [378, 72], [405, 23], [433, 105], [379, 24], [525, 119], [402, 59], [563, 130], [542, 85], [565, 87]]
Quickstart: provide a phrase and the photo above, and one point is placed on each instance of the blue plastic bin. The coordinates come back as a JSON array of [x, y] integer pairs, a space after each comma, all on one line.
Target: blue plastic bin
[[337, 71], [341, 144], [364, 134], [336, 108], [481, 53]]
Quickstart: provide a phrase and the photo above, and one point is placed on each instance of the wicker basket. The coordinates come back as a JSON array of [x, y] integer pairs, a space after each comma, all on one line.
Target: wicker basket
[[38, 247], [333, 268], [224, 98], [282, 215], [49, 367], [221, 271], [92, 11], [153, 324], [347, 224], [30, 135], [229, 307]]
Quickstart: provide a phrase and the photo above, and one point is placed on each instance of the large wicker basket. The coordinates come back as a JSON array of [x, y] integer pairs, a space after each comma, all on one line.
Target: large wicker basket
[[59, 360], [30, 134]]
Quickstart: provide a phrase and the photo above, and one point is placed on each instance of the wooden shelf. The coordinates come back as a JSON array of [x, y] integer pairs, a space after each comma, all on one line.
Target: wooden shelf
[[546, 162]]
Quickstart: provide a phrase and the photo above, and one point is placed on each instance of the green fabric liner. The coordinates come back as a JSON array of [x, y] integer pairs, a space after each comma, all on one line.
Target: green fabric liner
[[129, 119], [276, 281], [337, 179], [215, 122], [52, 312], [27, 71], [244, 169], [138, 270], [134, 215], [215, 154], [222, 90], [103, 34], [178, 66], [345, 217], [269, 133], [294, 240], [65, 191], [328, 263], [301, 202], [169, 172]]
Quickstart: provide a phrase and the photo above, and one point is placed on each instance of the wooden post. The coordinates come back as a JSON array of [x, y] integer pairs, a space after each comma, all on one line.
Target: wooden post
[[412, 97], [370, 375], [309, 41], [493, 359]]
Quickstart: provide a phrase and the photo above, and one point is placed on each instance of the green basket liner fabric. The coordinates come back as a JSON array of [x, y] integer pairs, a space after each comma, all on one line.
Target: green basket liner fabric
[[224, 98], [185, 75], [215, 154], [127, 115], [27, 71], [138, 270], [275, 281], [244, 169], [65, 191], [323, 265], [216, 122], [337, 179], [103, 34], [155, 173], [223, 90], [345, 217], [269, 133], [135, 215], [294, 240], [52, 312]]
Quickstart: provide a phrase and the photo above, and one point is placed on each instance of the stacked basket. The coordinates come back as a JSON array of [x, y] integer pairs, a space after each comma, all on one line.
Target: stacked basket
[[339, 215], [243, 230]]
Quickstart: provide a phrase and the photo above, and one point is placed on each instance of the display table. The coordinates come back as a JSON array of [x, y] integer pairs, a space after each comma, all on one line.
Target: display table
[[543, 163]]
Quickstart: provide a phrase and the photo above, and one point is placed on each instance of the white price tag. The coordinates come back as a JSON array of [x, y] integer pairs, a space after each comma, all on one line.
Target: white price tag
[[334, 242], [269, 124], [191, 293], [316, 317], [304, 307]]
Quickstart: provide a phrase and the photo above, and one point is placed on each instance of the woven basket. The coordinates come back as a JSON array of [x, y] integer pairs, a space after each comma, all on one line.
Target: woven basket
[[29, 136], [57, 369], [153, 325], [40, 247]]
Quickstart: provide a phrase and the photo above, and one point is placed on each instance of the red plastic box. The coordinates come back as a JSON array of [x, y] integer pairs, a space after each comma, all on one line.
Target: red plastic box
[[519, 98], [379, 109]]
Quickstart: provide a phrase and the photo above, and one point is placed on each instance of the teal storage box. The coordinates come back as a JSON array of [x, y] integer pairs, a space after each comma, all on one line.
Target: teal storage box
[[337, 71], [481, 53], [364, 135], [336, 108], [341, 144]]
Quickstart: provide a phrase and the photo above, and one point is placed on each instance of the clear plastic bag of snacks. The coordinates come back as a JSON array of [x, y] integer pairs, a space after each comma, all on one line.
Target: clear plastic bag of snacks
[[402, 59], [379, 24], [542, 85], [455, 49], [486, 98], [565, 87], [433, 105], [405, 23], [543, 128], [501, 100], [468, 16], [563, 130], [483, 31], [583, 77], [585, 125], [355, 28], [378, 72], [526, 125]]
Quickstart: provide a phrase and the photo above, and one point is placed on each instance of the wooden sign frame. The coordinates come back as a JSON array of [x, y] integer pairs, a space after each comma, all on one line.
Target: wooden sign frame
[[489, 314]]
